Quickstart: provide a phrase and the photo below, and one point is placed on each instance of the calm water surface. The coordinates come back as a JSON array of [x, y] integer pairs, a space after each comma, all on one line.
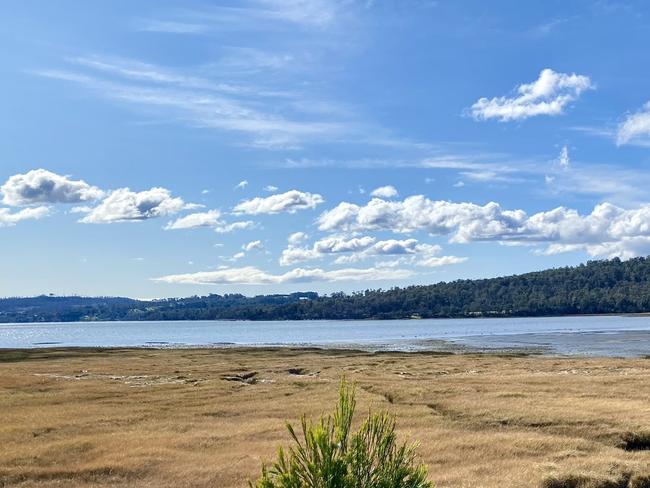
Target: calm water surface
[[603, 335]]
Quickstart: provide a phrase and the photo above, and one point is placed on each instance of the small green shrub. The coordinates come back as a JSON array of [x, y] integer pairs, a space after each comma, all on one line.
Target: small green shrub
[[329, 455]]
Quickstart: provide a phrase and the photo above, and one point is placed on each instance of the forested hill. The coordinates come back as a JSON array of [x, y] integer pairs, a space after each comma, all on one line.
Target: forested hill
[[612, 286]]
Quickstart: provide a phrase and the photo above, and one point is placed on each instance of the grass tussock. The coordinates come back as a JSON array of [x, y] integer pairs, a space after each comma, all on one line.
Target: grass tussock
[[622, 480], [586, 481], [329, 454], [640, 481], [636, 441]]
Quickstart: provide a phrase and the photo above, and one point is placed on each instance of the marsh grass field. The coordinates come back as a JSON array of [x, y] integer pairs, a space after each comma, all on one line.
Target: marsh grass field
[[210, 417]]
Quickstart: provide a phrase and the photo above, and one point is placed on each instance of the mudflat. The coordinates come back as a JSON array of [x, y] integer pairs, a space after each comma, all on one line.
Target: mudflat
[[210, 417]]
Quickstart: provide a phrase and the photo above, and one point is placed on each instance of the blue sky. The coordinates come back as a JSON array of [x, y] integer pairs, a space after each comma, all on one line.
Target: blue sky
[[166, 148]]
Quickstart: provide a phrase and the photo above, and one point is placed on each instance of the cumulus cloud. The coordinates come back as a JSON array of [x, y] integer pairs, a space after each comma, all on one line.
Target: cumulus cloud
[[290, 202], [124, 205], [210, 218], [408, 249], [354, 249], [250, 275], [40, 186], [419, 213], [241, 185], [9, 218], [607, 231], [548, 95], [253, 245], [239, 225], [271, 188], [296, 238], [635, 128], [329, 245], [387, 191]]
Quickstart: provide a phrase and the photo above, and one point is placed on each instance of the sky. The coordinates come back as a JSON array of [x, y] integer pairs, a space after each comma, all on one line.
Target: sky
[[170, 148]]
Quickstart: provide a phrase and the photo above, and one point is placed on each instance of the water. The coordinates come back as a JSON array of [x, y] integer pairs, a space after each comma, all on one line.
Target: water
[[588, 335]]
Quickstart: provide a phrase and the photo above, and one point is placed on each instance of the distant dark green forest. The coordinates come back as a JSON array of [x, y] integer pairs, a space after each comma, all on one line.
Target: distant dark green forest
[[610, 286]]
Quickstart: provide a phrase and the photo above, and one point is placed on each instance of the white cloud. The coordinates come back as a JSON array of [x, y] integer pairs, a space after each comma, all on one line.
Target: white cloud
[[607, 231], [250, 275], [8, 218], [40, 186], [387, 191], [124, 205], [627, 187], [548, 95], [334, 245], [418, 213], [241, 185], [290, 202], [486, 176], [305, 12], [170, 27], [563, 159], [293, 255], [328, 245], [434, 262], [239, 225], [261, 14], [271, 188], [351, 250], [392, 247], [211, 218], [296, 238], [635, 129], [253, 245]]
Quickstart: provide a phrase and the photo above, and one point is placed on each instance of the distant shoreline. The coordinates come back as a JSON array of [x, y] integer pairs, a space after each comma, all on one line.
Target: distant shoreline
[[608, 287], [380, 319]]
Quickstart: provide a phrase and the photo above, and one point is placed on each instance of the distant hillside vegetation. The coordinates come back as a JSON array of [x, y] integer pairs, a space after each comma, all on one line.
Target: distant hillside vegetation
[[611, 286]]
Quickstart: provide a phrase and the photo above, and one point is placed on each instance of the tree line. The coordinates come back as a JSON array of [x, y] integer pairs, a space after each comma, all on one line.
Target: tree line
[[597, 287]]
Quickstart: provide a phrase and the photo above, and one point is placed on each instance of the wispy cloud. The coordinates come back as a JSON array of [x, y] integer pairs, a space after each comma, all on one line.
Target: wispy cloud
[[250, 275], [169, 26], [265, 14], [546, 28], [635, 129], [199, 103]]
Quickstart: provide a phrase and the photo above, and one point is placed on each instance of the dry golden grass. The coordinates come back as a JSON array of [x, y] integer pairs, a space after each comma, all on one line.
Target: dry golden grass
[[167, 418]]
